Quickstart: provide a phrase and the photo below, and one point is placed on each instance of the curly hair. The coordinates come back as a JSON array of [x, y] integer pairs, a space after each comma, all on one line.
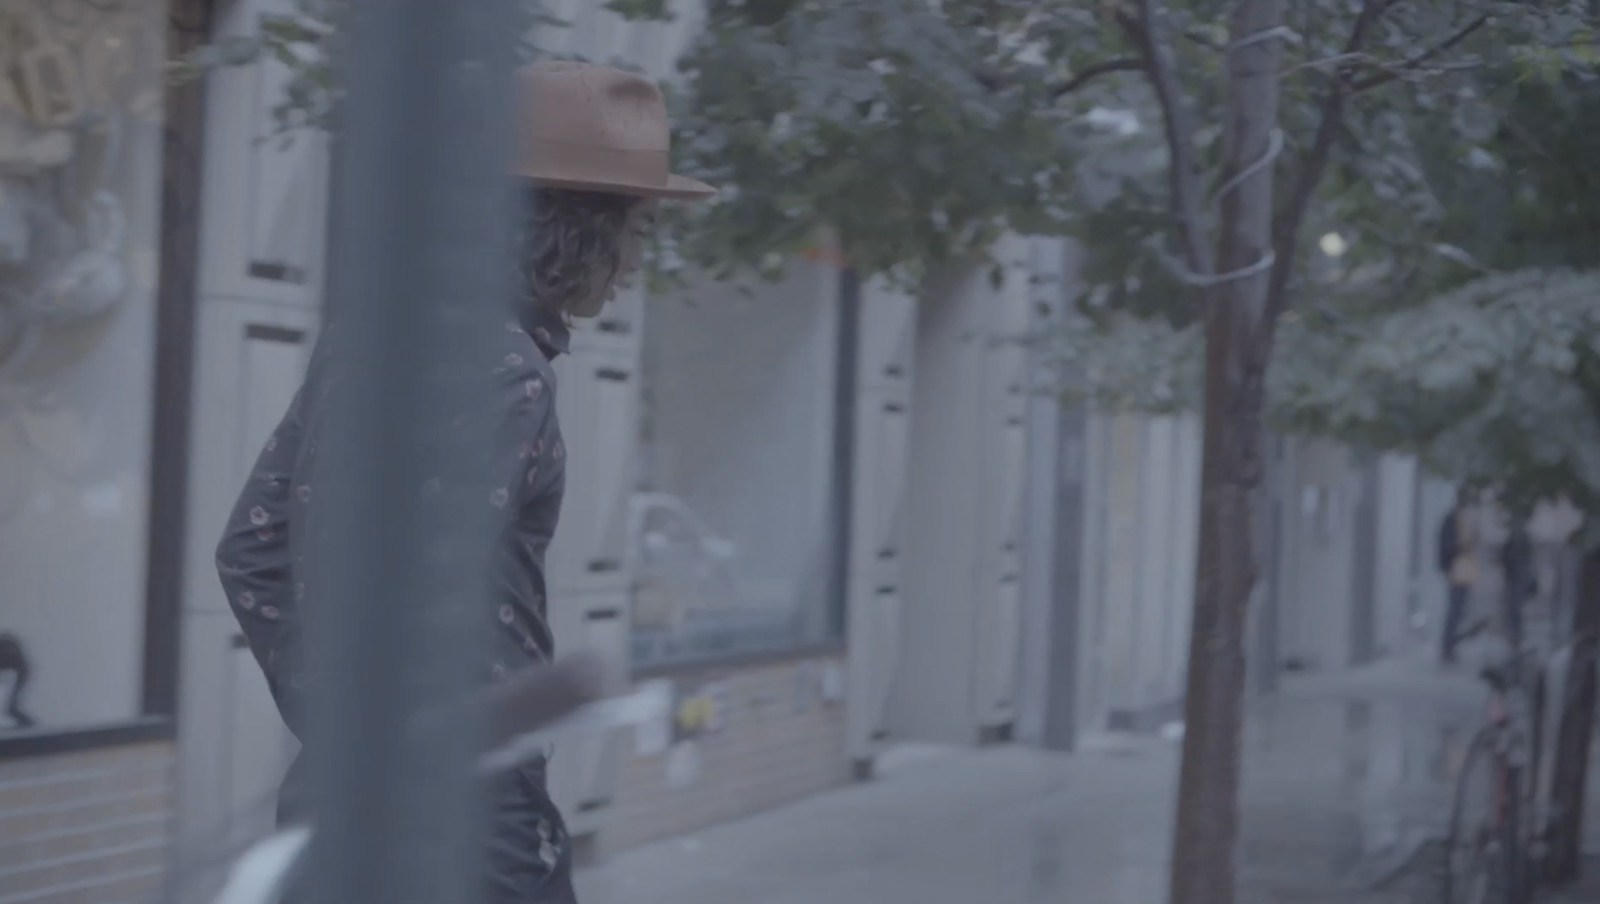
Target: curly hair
[[566, 238]]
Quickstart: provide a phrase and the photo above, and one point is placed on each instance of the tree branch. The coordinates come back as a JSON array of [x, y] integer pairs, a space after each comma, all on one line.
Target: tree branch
[[1183, 175], [1286, 225], [1090, 73], [1395, 70]]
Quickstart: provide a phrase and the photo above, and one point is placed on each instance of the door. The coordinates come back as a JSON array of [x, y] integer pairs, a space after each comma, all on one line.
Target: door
[[588, 565]]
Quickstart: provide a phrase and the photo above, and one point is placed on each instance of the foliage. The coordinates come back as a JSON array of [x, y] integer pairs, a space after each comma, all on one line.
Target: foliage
[[1126, 364], [1532, 198], [1515, 349], [916, 133], [304, 41], [1496, 383], [911, 138]]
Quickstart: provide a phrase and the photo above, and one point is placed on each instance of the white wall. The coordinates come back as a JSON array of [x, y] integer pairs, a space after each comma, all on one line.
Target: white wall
[[933, 693], [958, 671], [1050, 611], [1315, 594], [1397, 476], [1139, 547]]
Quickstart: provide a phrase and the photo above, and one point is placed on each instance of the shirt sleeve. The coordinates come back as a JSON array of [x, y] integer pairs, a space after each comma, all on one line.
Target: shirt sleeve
[[534, 456]]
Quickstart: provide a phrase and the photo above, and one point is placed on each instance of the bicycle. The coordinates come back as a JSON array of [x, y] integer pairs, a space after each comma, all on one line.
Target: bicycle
[[524, 714], [1493, 854]]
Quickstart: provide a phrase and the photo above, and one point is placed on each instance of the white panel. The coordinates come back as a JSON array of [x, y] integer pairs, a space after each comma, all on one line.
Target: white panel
[[1013, 442], [884, 619], [597, 403], [233, 750], [1186, 534], [890, 470], [875, 593], [1008, 627], [274, 363], [264, 197], [585, 770], [612, 454], [1154, 559], [1092, 648], [888, 333], [258, 746]]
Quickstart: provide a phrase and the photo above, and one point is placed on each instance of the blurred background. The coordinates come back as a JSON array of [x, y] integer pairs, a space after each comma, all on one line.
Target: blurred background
[[894, 468]]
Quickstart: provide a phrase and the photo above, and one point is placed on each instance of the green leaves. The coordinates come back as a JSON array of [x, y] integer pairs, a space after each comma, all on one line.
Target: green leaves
[[1126, 363], [914, 141], [1496, 383], [301, 45]]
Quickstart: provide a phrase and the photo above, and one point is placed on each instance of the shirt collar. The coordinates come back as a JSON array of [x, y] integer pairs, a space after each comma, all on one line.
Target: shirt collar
[[548, 330]]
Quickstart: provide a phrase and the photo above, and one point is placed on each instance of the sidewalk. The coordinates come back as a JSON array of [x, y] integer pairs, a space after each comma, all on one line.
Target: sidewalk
[[1344, 777], [999, 825]]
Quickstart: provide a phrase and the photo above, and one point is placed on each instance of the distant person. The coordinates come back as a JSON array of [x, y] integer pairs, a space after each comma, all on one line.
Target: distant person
[[14, 661], [1516, 560], [1460, 567]]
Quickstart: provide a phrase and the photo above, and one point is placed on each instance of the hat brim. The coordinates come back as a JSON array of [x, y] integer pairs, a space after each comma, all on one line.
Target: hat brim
[[678, 188]]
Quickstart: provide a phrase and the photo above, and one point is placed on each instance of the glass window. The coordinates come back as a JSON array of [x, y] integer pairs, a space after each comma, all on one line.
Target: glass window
[[732, 527], [81, 90]]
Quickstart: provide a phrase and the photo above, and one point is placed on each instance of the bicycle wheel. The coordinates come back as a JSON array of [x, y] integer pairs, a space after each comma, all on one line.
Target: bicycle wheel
[[1479, 847]]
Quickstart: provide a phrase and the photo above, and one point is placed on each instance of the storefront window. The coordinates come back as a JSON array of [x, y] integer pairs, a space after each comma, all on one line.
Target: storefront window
[[81, 89], [732, 529]]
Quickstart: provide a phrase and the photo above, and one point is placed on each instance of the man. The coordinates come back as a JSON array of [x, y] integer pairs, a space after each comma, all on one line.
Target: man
[[1460, 568], [591, 164]]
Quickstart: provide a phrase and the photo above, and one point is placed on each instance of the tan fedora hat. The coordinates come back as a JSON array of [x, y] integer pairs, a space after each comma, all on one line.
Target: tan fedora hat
[[596, 128]]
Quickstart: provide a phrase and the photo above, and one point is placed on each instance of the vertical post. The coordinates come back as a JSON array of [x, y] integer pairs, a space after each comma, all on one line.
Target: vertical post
[[419, 277], [842, 472]]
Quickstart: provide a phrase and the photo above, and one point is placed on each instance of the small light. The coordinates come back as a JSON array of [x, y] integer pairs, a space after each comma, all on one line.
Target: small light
[[1333, 245]]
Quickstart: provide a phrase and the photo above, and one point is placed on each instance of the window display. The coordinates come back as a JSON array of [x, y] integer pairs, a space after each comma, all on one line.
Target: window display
[[81, 89], [731, 529]]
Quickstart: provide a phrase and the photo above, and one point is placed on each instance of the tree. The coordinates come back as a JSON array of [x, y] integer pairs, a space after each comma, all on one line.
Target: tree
[[1450, 380], [1524, 343], [917, 133]]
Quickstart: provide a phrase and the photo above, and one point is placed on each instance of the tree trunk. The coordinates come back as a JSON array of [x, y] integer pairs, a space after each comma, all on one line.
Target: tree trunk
[[1207, 819], [1569, 781]]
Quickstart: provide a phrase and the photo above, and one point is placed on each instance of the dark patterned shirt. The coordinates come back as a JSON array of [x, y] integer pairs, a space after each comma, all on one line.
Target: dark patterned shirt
[[260, 558]]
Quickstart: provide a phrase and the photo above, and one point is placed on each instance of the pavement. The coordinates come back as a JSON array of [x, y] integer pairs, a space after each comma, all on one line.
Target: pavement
[[1346, 778]]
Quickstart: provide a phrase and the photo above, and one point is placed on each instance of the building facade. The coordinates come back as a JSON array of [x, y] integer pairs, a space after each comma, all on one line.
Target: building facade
[[799, 502], [97, 249]]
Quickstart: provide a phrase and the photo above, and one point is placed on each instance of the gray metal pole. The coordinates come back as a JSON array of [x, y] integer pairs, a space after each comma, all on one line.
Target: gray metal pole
[[418, 275]]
